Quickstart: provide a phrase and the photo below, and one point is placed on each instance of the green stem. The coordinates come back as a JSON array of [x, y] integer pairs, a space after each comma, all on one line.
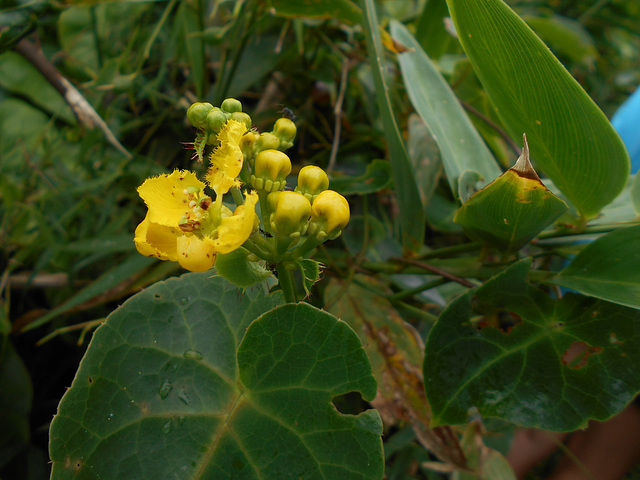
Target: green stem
[[282, 244], [285, 278], [450, 251], [307, 246], [264, 210], [429, 317], [255, 249], [263, 244], [237, 196], [420, 288]]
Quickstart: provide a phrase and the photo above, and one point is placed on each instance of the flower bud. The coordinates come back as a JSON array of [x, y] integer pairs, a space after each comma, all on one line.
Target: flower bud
[[247, 145], [267, 141], [311, 181], [231, 105], [216, 119], [197, 114], [242, 118], [272, 200], [329, 215], [286, 131], [291, 214], [270, 172]]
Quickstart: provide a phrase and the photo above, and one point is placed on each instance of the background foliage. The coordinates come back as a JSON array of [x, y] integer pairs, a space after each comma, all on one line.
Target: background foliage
[[69, 201]]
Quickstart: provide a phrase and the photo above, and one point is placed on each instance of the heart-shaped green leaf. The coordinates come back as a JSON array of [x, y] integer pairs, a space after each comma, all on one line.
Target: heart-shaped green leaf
[[608, 268], [571, 140], [512, 210], [167, 390], [515, 353]]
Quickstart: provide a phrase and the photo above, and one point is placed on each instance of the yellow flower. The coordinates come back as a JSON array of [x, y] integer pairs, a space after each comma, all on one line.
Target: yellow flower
[[183, 224], [234, 229], [226, 160]]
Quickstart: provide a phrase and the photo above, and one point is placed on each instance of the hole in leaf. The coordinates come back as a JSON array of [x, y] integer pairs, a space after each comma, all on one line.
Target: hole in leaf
[[157, 296], [578, 353], [90, 379], [350, 403], [492, 316], [613, 339]]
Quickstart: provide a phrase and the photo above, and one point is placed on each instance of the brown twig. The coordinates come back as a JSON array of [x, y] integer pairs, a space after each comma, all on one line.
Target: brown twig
[[436, 270], [337, 111], [514, 146], [82, 109]]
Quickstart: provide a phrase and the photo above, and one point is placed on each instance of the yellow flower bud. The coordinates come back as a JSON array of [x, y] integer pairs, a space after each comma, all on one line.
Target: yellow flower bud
[[329, 215], [286, 131], [271, 168], [272, 199], [197, 114], [311, 181], [291, 214], [267, 141], [231, 105]]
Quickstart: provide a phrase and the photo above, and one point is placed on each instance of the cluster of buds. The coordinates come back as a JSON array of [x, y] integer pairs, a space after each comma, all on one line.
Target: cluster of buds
[[186, 224], [209, 120], [297, 220], [308, 215]]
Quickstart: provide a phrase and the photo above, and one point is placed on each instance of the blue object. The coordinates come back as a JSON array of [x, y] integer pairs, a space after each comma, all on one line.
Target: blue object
[[626, 121]]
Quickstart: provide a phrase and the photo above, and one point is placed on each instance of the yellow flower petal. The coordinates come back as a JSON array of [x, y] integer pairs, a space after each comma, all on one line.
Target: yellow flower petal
[[226, 159], [164, 195], [235, 230], [153, 240], [196, 254]]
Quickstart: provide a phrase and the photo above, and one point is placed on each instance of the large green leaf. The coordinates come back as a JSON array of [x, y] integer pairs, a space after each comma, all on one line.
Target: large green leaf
[[172, 387], [411, 216], [571, 140], [608, 268], [515, 353], [461, 147]]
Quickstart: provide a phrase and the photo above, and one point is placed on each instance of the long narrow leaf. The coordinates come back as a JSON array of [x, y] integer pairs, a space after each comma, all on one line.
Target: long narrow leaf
[[411, 217], [461, 146]]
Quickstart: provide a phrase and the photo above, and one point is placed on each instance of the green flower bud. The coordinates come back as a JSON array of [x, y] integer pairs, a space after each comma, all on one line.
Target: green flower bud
[[242, 118], [270, 170], [216, 119], [291, 214], [312, 180], [231, 105], [267, 141], [197, 114], [329, 215], [286, 131]]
